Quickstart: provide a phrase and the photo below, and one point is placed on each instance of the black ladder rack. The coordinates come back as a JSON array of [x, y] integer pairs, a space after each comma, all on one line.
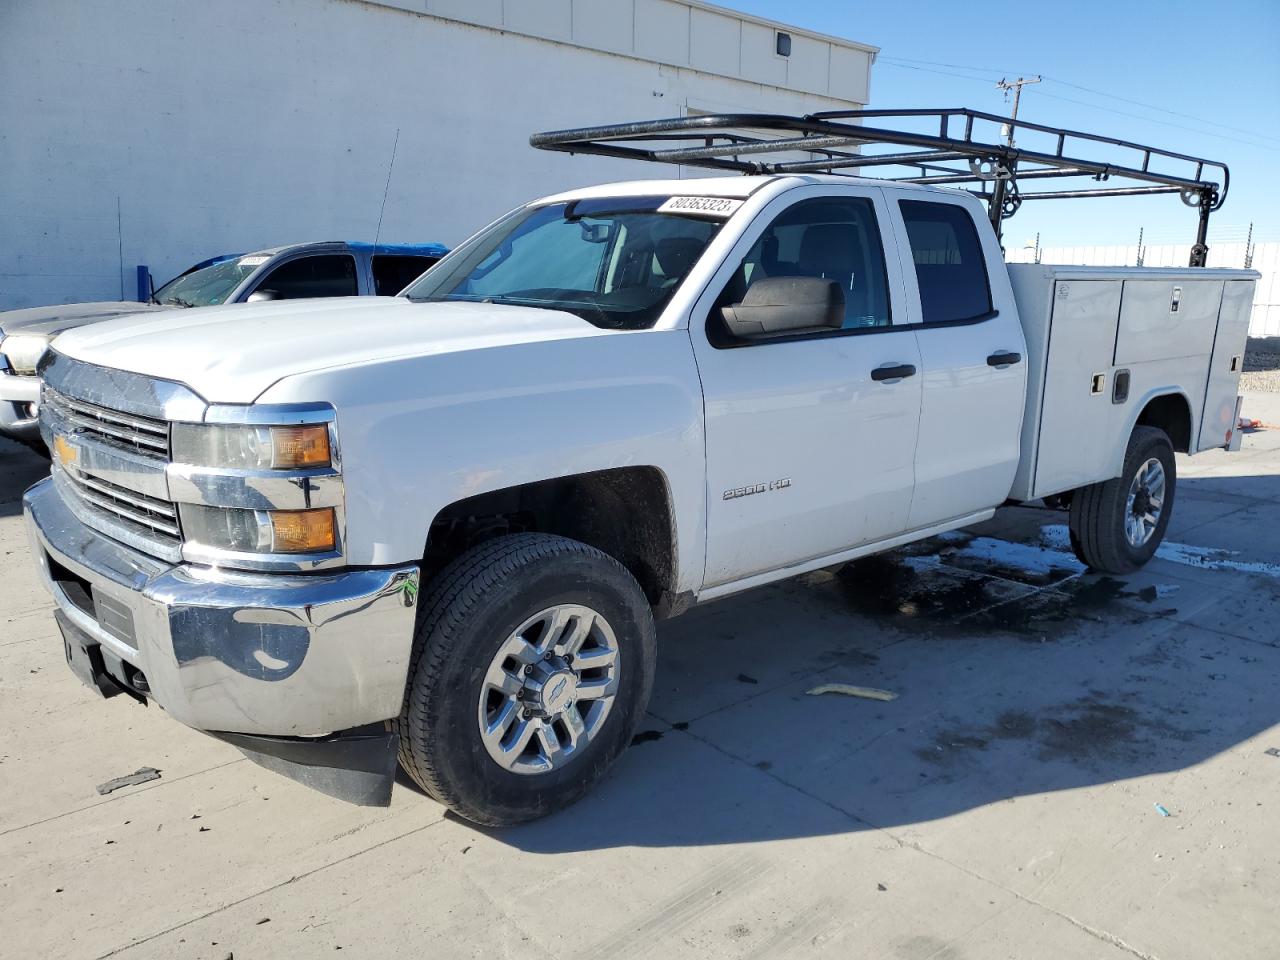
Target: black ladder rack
[[960, 153]]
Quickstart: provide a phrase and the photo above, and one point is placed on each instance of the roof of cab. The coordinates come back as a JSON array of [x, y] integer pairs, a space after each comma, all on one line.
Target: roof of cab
[[738, 187], [379, 249]]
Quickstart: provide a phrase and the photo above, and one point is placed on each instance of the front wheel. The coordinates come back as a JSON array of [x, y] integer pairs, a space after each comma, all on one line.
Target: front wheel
[[1116, 526], [533, 661]]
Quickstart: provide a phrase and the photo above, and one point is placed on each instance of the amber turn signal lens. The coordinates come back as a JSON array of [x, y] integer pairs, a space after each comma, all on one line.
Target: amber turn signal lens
[[302, 531], [306, 446]]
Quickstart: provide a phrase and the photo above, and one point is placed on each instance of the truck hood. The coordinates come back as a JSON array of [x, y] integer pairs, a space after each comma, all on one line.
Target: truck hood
[[50, 321], [231, 354]]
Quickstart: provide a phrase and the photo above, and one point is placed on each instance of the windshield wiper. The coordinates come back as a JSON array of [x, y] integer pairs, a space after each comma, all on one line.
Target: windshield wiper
[[176, 302]]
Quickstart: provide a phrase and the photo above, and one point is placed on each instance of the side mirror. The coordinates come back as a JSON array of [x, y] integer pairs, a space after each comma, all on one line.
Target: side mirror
[[780, 305], [258, 296]]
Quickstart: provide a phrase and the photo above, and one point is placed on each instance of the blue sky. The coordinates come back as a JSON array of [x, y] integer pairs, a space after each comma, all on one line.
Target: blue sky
[[1201, 78]]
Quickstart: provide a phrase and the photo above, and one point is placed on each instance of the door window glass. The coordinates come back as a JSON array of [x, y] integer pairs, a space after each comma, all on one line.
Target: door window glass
[[834, 238], [307, 277], [393, 272], [950, 268]]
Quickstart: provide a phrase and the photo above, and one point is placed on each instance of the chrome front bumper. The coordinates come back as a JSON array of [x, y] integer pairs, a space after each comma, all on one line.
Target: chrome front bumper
[[262, 654]]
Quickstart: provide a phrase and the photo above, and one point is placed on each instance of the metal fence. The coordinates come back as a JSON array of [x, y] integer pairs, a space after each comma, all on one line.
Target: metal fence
[[1265, 320]]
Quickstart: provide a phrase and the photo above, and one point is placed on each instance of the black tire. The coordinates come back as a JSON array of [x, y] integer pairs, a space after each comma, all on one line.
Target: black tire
[[1098, 511], [471, 607]]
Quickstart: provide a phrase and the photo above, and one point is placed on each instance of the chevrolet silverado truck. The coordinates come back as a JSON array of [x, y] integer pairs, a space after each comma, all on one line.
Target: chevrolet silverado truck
[[294, 271], [437, 529]]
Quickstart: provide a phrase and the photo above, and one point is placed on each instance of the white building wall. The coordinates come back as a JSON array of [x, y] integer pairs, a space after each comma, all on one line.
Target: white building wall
[[161, 132], [1265, 319]]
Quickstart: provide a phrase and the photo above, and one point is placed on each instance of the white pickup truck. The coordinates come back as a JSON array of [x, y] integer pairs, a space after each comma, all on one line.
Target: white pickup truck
[[439, 527]]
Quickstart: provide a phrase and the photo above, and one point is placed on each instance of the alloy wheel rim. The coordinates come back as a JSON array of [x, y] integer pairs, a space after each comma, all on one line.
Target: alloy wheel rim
[[1145, 503], [549, 689]]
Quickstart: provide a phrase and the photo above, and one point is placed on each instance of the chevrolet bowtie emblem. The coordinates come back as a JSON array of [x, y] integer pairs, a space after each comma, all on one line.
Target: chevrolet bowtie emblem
[[64, 451]]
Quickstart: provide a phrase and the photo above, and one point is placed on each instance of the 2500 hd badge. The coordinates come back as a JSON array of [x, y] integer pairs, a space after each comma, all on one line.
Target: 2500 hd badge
[[757, 488]]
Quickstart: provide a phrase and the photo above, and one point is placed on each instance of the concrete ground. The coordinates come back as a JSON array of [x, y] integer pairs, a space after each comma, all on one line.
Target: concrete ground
[[1010, 803]]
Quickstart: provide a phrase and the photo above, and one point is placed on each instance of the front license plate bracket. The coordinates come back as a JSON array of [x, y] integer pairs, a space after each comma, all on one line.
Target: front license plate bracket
[[84, 657]]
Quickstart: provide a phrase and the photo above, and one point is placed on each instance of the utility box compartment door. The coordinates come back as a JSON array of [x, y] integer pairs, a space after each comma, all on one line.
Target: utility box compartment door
[[1167, 319], [1077, 417], [1224, 368]]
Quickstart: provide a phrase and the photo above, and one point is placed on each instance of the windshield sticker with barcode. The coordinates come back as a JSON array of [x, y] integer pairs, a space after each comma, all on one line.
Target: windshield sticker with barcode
[[718, 207], [253, 261]]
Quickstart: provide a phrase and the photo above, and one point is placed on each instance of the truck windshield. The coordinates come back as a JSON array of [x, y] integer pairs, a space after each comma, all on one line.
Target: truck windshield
[[613, 262], [209, 285]]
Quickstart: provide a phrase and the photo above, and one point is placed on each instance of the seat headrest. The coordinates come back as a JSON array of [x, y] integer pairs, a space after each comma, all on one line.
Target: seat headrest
[[833, 249], [769, 256]]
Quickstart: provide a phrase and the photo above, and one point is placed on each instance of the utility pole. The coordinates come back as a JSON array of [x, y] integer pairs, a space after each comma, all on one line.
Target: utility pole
[[1016, 86], [1005, 172]]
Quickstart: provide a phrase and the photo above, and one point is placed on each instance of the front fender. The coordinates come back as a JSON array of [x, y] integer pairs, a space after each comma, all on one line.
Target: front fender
[[419, 433]]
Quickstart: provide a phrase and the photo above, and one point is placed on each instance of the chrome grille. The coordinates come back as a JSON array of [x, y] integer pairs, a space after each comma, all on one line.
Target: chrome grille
[[150, 516], [143, 435]]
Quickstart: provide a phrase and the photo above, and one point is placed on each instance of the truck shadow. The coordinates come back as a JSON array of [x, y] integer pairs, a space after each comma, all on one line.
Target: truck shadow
[[1016, 673], [19, 469]]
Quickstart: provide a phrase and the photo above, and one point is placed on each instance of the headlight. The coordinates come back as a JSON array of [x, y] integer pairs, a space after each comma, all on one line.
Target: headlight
[[260, 531], [252, 447], [24, 352], [271, 489]]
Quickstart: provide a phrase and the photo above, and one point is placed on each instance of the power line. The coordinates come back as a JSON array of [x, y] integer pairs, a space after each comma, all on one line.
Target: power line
[[1163, 123], [990, 71], [1093, 106], [906, 63], [942, 73], [1152, 106]]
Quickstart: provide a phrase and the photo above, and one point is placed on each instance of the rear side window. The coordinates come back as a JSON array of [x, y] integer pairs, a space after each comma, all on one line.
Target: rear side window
[[392, 273], [307, 277], [950, 268]]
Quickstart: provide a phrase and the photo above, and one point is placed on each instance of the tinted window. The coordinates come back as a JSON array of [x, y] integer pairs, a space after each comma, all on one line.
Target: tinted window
[[950, 267], [392, 273], [832, 238], [307, 277], [613, 261]]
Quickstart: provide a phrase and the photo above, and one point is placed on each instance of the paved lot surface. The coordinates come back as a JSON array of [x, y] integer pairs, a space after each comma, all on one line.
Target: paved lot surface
[[1004, 806]]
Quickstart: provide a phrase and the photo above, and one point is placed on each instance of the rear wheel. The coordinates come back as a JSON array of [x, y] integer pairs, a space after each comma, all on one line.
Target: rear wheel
[[533, 661], [1116, 526]]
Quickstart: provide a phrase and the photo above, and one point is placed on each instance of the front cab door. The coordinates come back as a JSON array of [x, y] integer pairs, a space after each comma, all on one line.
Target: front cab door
[[810, 436]]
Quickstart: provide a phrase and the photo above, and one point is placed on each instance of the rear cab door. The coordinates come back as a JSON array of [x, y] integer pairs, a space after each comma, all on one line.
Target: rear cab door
[[809, 450], [973, 354]]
